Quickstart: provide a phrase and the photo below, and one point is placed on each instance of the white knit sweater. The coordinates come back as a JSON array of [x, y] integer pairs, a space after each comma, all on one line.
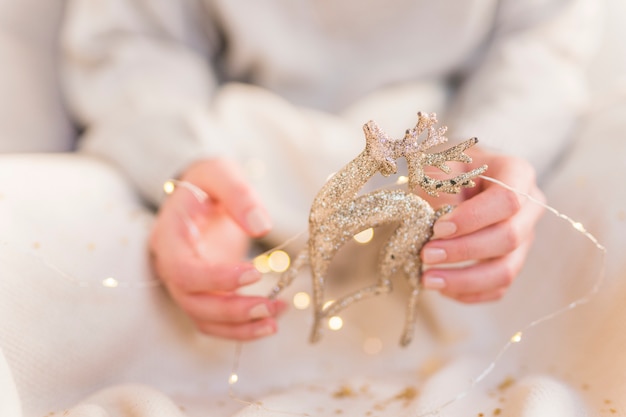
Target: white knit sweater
[[151, 81]]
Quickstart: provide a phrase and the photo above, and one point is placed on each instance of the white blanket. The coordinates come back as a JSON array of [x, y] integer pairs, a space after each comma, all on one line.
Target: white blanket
[[71, 346]]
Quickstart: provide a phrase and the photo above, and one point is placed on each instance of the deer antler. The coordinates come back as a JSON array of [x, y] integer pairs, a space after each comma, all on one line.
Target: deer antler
[[414, 151], [453, 185], [434, 136]]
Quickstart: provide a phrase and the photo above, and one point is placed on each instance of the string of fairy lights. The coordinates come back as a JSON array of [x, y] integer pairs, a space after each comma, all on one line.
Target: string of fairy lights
[[277, 261]]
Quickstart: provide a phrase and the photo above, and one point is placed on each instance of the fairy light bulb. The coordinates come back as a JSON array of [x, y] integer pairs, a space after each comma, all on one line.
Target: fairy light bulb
[[335, 323], [169, 187], [301, 300], [110, 282], [365, 236], [233, 378], [261, 263], [517, 337], [278, 261], [402, 180]]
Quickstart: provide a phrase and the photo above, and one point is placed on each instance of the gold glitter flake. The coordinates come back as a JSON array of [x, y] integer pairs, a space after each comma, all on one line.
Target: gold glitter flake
[[407, 395], [338, 213], [507, 383], [344, 391]]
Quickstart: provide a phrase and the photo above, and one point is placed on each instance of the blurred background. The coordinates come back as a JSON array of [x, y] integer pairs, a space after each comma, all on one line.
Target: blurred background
[[32, 113]]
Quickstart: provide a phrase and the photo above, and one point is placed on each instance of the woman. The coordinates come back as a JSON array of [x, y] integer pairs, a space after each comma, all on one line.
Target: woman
[[198, 89]]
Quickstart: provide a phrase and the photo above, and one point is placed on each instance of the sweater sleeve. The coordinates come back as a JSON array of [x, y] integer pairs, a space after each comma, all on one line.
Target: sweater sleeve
[[138, 78], [524, 95]]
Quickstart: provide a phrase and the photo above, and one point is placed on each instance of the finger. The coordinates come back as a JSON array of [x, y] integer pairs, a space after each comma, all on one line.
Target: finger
[[191, 274], [225, 182], [229, 308], [486, 208], [184, 260], [491, 242], [493, 203], [483, 277], [243, 332]]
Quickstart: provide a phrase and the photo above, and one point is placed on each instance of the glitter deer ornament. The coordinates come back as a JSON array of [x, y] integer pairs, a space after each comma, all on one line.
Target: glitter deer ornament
[[338, 213]]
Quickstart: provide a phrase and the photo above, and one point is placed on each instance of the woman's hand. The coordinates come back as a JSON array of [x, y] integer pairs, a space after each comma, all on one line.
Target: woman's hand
[[489, 232], [203, 270]]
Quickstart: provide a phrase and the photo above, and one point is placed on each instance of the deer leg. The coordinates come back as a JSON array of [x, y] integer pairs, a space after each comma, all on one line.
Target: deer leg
[[319, 269], [413, 271], [391, 259], [402, 249], [383, 286]]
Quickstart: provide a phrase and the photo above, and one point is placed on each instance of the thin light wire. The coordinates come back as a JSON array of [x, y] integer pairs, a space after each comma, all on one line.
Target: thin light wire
[[197, 192], [517, 336], [153, 283]]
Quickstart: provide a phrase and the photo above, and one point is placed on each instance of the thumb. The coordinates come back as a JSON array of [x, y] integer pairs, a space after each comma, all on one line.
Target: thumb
[[224, 181]]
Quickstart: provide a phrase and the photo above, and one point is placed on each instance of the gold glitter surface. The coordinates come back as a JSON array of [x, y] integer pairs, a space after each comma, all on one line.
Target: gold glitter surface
[[338, 213]]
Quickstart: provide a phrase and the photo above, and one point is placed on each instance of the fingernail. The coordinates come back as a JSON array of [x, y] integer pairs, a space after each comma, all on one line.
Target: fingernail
[[434, 255], [264, 331], [259, 311], [433, 283], [257, 221], [250, 276], [443, 229]]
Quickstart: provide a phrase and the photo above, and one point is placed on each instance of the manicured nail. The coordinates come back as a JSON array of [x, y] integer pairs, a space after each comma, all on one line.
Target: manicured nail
[[259, 311], [257, 221], [443, 229], [433, 283], [264, 331], [250, 276], [434, 255]]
